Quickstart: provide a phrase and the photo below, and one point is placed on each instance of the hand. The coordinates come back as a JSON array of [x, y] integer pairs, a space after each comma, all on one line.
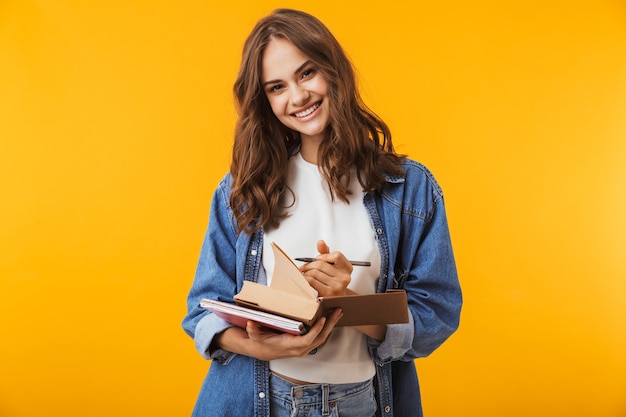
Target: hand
[[266, 345], [330, 273]]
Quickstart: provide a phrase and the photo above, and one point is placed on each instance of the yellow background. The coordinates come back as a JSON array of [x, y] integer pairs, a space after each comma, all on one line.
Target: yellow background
[[116, 121]]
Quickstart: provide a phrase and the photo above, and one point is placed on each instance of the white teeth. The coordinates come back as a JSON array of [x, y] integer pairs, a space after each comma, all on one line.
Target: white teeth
[[307, 111]]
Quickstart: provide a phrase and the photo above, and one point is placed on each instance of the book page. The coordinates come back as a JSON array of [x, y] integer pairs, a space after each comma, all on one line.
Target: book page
[[287, 277]]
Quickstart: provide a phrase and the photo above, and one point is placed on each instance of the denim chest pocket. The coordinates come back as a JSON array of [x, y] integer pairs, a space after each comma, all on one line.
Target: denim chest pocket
[[400, 275]]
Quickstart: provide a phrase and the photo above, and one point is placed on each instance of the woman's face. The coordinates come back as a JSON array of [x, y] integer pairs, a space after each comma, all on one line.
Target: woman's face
[[297, 92]]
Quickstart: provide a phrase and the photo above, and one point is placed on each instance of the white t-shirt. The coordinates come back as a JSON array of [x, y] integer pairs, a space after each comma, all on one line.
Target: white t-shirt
[[345, 228]]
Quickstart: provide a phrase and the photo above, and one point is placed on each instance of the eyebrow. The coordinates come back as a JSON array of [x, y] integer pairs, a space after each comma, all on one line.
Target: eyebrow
[[299, 69]]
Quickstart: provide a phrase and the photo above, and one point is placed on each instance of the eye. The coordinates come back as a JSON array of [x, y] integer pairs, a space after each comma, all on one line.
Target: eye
[[275, 88], [308, 73]]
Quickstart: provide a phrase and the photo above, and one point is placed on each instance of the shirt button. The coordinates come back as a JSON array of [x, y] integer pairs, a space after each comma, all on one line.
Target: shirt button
[[261, 395], [379, 231], [387, 409], [254, 252]]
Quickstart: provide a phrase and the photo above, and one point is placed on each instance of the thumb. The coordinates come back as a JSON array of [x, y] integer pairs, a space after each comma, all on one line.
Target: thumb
[[322, 247]]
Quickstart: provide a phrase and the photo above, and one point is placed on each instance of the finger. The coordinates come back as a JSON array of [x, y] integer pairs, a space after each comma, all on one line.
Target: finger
[[321, 272], [336, 316], [322, 247], [337, 259], [318, 269], [330, 264], [315, 330], [330, 324], [343, 263], [324, 250], [328, 273], [317, 284], [254, 329], [316, 277]]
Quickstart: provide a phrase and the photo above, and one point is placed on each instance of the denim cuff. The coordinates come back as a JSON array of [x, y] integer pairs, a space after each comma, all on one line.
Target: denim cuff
[[398, 341], [206, 330]]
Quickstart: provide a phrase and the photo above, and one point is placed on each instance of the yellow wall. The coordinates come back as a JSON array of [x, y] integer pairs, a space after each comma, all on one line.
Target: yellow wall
[[115, 125]]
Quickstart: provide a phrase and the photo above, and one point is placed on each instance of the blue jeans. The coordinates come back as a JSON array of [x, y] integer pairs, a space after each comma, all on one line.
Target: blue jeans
[[320, 400]]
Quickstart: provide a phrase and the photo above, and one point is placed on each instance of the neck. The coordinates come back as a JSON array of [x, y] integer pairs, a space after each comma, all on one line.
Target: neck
[[309, 147]]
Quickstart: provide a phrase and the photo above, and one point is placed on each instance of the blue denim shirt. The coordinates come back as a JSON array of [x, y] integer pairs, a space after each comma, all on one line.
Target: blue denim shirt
[[409, 220]]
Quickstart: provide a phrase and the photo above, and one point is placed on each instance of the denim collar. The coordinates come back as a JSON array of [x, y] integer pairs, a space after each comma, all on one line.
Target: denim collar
[[394, 179]]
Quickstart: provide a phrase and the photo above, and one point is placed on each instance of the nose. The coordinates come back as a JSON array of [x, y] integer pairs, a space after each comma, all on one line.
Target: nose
[[299, 95]]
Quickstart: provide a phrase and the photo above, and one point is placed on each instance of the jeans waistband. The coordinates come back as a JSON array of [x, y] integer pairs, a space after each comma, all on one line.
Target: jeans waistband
[[323, 394]]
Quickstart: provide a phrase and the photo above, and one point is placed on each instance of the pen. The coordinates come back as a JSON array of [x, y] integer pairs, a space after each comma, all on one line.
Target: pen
[[355, 263]]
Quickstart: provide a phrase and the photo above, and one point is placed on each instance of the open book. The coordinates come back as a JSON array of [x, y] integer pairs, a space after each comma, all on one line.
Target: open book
[[291, 305]]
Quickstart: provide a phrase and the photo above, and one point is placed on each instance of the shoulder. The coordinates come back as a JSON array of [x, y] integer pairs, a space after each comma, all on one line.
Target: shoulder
[[416, 193], [418, 177], [225, 182], [224, 186], [221, 194]]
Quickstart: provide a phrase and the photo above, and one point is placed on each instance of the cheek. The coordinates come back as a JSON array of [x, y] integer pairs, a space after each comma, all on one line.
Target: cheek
[[276, 104], [322, 87]]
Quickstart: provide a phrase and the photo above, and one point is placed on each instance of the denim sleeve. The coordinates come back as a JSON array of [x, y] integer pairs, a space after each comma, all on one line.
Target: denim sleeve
[[206, 329], [432, 286], [424, 266], [215, 277]]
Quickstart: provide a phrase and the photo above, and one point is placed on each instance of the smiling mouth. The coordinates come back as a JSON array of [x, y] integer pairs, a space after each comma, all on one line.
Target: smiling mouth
[[308, 111]]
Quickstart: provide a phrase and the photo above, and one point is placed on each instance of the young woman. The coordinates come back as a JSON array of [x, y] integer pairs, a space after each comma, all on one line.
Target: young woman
[[314, 170]]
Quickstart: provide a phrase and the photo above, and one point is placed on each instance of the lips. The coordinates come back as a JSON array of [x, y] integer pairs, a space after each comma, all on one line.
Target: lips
[[308, 111]]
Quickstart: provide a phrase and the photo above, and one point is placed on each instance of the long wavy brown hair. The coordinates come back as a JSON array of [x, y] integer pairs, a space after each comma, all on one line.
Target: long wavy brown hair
[[355, 137]]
